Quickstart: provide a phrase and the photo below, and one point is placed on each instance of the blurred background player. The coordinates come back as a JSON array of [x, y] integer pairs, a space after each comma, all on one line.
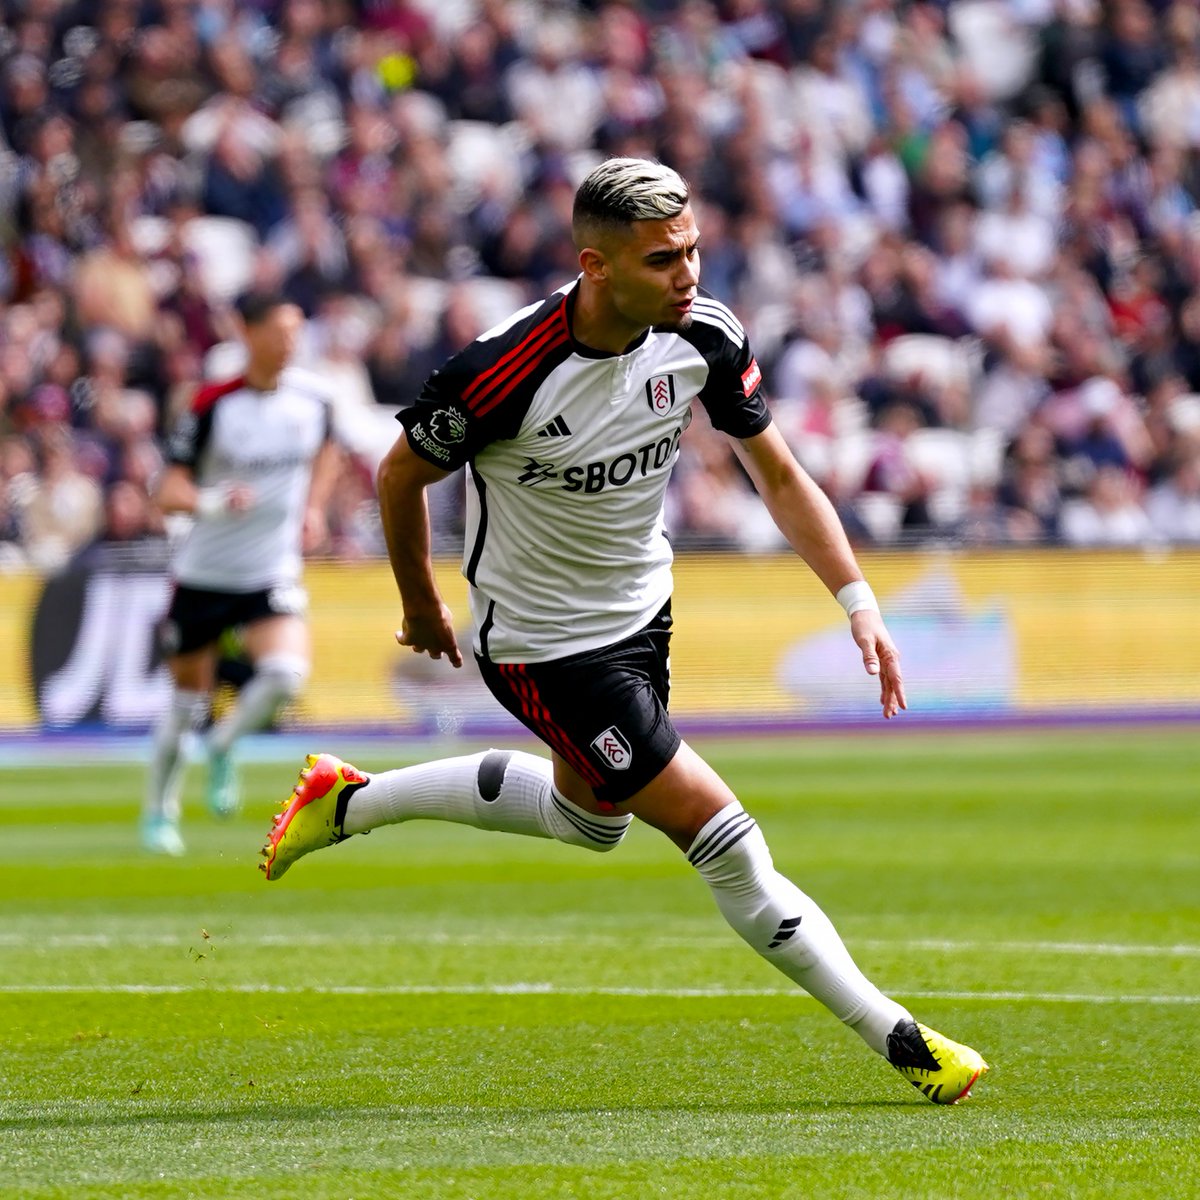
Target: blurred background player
[[253, 462]]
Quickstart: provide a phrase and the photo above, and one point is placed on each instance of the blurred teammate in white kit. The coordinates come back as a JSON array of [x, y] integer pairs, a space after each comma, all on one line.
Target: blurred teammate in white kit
[[253, 461]]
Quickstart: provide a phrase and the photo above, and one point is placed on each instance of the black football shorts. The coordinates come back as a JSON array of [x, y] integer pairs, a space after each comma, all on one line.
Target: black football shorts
[[197, 617], [603, 711]]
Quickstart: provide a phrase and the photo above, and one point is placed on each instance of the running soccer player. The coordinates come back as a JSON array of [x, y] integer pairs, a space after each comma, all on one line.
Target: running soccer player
[[568, 418], [254, 463]]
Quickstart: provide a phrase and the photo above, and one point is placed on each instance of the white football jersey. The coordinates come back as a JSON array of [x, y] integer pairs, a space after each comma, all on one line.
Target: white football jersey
[[569, 451], [268, 441]]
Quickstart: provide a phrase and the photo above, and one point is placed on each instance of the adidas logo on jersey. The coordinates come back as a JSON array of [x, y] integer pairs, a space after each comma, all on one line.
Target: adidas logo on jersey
[[557, 428]]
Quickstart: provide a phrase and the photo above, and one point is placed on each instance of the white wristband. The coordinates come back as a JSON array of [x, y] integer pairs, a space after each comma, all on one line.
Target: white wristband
[[212, 501], [857, 596]]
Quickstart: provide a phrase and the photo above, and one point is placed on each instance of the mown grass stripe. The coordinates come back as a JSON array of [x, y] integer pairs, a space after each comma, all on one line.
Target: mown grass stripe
[[31, 939], [550, 989]]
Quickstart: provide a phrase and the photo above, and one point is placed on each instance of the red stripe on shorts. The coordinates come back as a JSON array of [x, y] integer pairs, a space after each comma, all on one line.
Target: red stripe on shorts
[[535, 710], [569, 751]]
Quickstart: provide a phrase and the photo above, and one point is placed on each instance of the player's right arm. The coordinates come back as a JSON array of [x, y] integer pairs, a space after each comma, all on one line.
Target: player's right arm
[[452, 420], [178, 491], [428, 626], [464, 406]]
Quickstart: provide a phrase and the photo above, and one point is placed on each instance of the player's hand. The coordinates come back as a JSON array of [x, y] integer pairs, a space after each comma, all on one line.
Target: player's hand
[[315, 533], [880, 657], [433, 634], [239, 498]]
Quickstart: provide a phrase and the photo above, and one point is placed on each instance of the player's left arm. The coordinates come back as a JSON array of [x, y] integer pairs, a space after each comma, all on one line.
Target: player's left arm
[[807, 519], [325, 470]]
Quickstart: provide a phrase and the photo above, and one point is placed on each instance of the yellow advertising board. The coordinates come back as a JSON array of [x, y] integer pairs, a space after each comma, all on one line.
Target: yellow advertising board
[[18, 595], [980, 633]]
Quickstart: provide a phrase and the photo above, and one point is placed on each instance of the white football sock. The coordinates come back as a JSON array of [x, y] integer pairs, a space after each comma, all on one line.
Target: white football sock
[[185, 713], [785, 926], [277, 679], [502, 790]]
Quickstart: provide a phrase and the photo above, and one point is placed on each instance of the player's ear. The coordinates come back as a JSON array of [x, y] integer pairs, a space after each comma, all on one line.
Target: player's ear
[[593, 264]]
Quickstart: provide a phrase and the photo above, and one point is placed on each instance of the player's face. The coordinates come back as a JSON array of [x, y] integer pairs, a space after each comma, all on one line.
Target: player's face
[[654, 271], [272, 341]]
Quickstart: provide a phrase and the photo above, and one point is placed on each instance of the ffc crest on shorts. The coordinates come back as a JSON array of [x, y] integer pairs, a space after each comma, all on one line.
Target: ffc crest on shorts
[[613, 749], [660, 394]]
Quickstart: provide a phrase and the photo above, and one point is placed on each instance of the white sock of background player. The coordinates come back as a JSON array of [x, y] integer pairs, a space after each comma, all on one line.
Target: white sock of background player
[[186, 713]]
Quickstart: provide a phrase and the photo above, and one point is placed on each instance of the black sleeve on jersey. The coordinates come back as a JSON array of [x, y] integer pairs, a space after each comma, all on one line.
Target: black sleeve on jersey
[[441, 428], [732, 395], [483, 393], [190, 437]]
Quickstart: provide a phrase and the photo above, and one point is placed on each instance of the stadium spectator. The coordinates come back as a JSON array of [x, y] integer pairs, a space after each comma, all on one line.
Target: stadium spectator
[[1108, 513], [18, 468], [1173, 507], [131, 525], [62, 508], [891, 473], [1033, 199], [113, 289]]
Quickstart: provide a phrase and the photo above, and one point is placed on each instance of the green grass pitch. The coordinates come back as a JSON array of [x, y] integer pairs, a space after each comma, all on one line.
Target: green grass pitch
[[437, 1012]]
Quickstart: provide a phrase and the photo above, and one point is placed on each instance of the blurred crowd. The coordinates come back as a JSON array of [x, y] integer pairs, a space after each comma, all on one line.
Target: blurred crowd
[[963, 237]]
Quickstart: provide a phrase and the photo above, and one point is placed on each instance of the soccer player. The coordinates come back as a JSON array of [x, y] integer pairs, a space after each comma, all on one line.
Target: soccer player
[[568, 418], [253, 461]]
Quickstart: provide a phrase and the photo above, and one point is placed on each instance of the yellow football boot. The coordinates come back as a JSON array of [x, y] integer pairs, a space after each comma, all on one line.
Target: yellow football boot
[[941, 1070], [312, 816]]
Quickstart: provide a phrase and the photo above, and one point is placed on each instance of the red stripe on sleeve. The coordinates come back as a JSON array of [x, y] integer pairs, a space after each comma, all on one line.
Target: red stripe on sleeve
[[210, 393], [517, 351], [488, 401]]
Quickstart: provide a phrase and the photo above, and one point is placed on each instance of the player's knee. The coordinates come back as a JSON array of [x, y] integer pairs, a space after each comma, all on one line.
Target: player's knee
[[579, 827], [730, 851], [288, 672], [527, 779], [598, 840]]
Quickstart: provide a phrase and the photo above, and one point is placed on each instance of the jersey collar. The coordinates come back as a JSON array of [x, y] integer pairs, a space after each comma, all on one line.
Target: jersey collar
[[588, 351]]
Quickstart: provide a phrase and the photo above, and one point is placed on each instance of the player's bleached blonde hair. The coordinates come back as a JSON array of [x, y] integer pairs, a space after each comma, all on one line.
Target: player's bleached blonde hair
[[623, 190]]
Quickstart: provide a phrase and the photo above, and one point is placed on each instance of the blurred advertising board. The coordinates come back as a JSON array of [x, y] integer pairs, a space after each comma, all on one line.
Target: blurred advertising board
[[757, 641]]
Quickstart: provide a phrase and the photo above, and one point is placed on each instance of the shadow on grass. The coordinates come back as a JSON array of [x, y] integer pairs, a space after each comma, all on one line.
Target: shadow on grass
[[288, 1114]]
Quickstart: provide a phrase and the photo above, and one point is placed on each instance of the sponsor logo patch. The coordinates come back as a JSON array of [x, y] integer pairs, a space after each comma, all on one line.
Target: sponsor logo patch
[[751, 377], [660, 394], [625, 468], [612, 747], [536, 472]]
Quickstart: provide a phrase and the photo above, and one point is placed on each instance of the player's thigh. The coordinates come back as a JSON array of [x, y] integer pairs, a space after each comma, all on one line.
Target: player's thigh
[[603, 716], [284, 634], [682, 798], [679, 801], [194, 671], [188, 632], [572, 785]]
